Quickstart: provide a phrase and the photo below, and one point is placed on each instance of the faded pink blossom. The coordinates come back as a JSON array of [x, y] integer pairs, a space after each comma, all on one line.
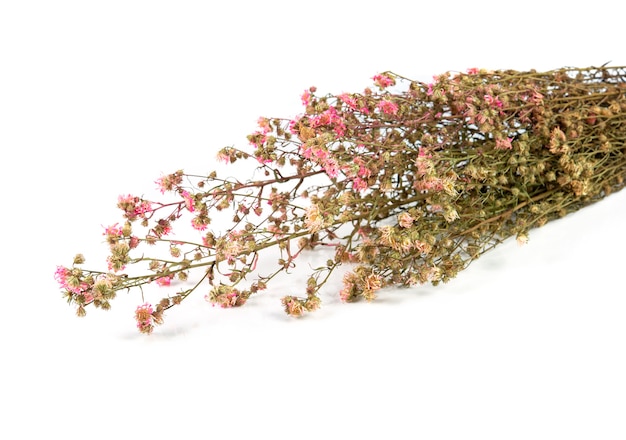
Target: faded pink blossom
[[493, 101], [223, 156], [349, 100], [383, 81], [264, 125], [405, 220], [424, 163], [331, 118], [69, 281], [472, 71], [363, 171], [189, 201], [348, 293], [306, 98], [144, 318], [331, 168], [133, 242], [306, 151], [293, 306], [208, 242], [198, 223], [340, 128], [257, 139], [113, 231], [231, 247], [359, 184], [168, 182], [275, 230], [430, 183], [293, 125], [373, 282], [161, 184], [164, 281], [320, 153], [536, 97], [313, 220], [163, 227], [504, 144], [388, 107], [422, 247], [228, 299], [114, 265], [60, 275], [133, 207]]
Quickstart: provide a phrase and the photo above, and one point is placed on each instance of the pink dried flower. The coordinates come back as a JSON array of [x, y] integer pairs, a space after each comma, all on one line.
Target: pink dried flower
[[168, 182], [264, 125], [493, 101], [227, 298], [133, 207], [293, 124], [161, 184], [330, 118], [349, 291], [293, 306], [349, 100], [257, 139], [359, 184], [331, 167], [312, 303], [383, 81], [405, 220], [69, 281], [60, 275], [313, 221], [422, 247], [388, 107], [189, 201], [113, 231], [115, 264], [144, 318], [199, 223], [230, 247], [536, 98], [223, 156], [133, 242], [504, 144], [164, 281]]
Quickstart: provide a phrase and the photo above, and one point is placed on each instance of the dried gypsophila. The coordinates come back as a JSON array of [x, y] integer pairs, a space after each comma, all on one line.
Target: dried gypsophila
[[409, 183]]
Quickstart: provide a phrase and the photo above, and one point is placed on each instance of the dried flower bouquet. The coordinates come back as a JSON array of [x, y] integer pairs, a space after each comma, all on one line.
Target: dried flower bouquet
[[408, 182]]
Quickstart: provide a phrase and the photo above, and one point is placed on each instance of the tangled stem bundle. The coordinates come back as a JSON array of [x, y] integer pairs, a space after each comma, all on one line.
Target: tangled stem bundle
[[408, 183]]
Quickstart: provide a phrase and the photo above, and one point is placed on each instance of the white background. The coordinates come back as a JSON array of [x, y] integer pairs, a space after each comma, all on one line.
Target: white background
[[99, 99]]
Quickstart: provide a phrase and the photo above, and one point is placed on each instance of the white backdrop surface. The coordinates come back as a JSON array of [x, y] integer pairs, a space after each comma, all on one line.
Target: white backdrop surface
[[99, 99]]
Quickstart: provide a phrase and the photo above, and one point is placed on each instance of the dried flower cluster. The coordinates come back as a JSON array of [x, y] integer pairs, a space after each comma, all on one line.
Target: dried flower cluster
[[407, 181]]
